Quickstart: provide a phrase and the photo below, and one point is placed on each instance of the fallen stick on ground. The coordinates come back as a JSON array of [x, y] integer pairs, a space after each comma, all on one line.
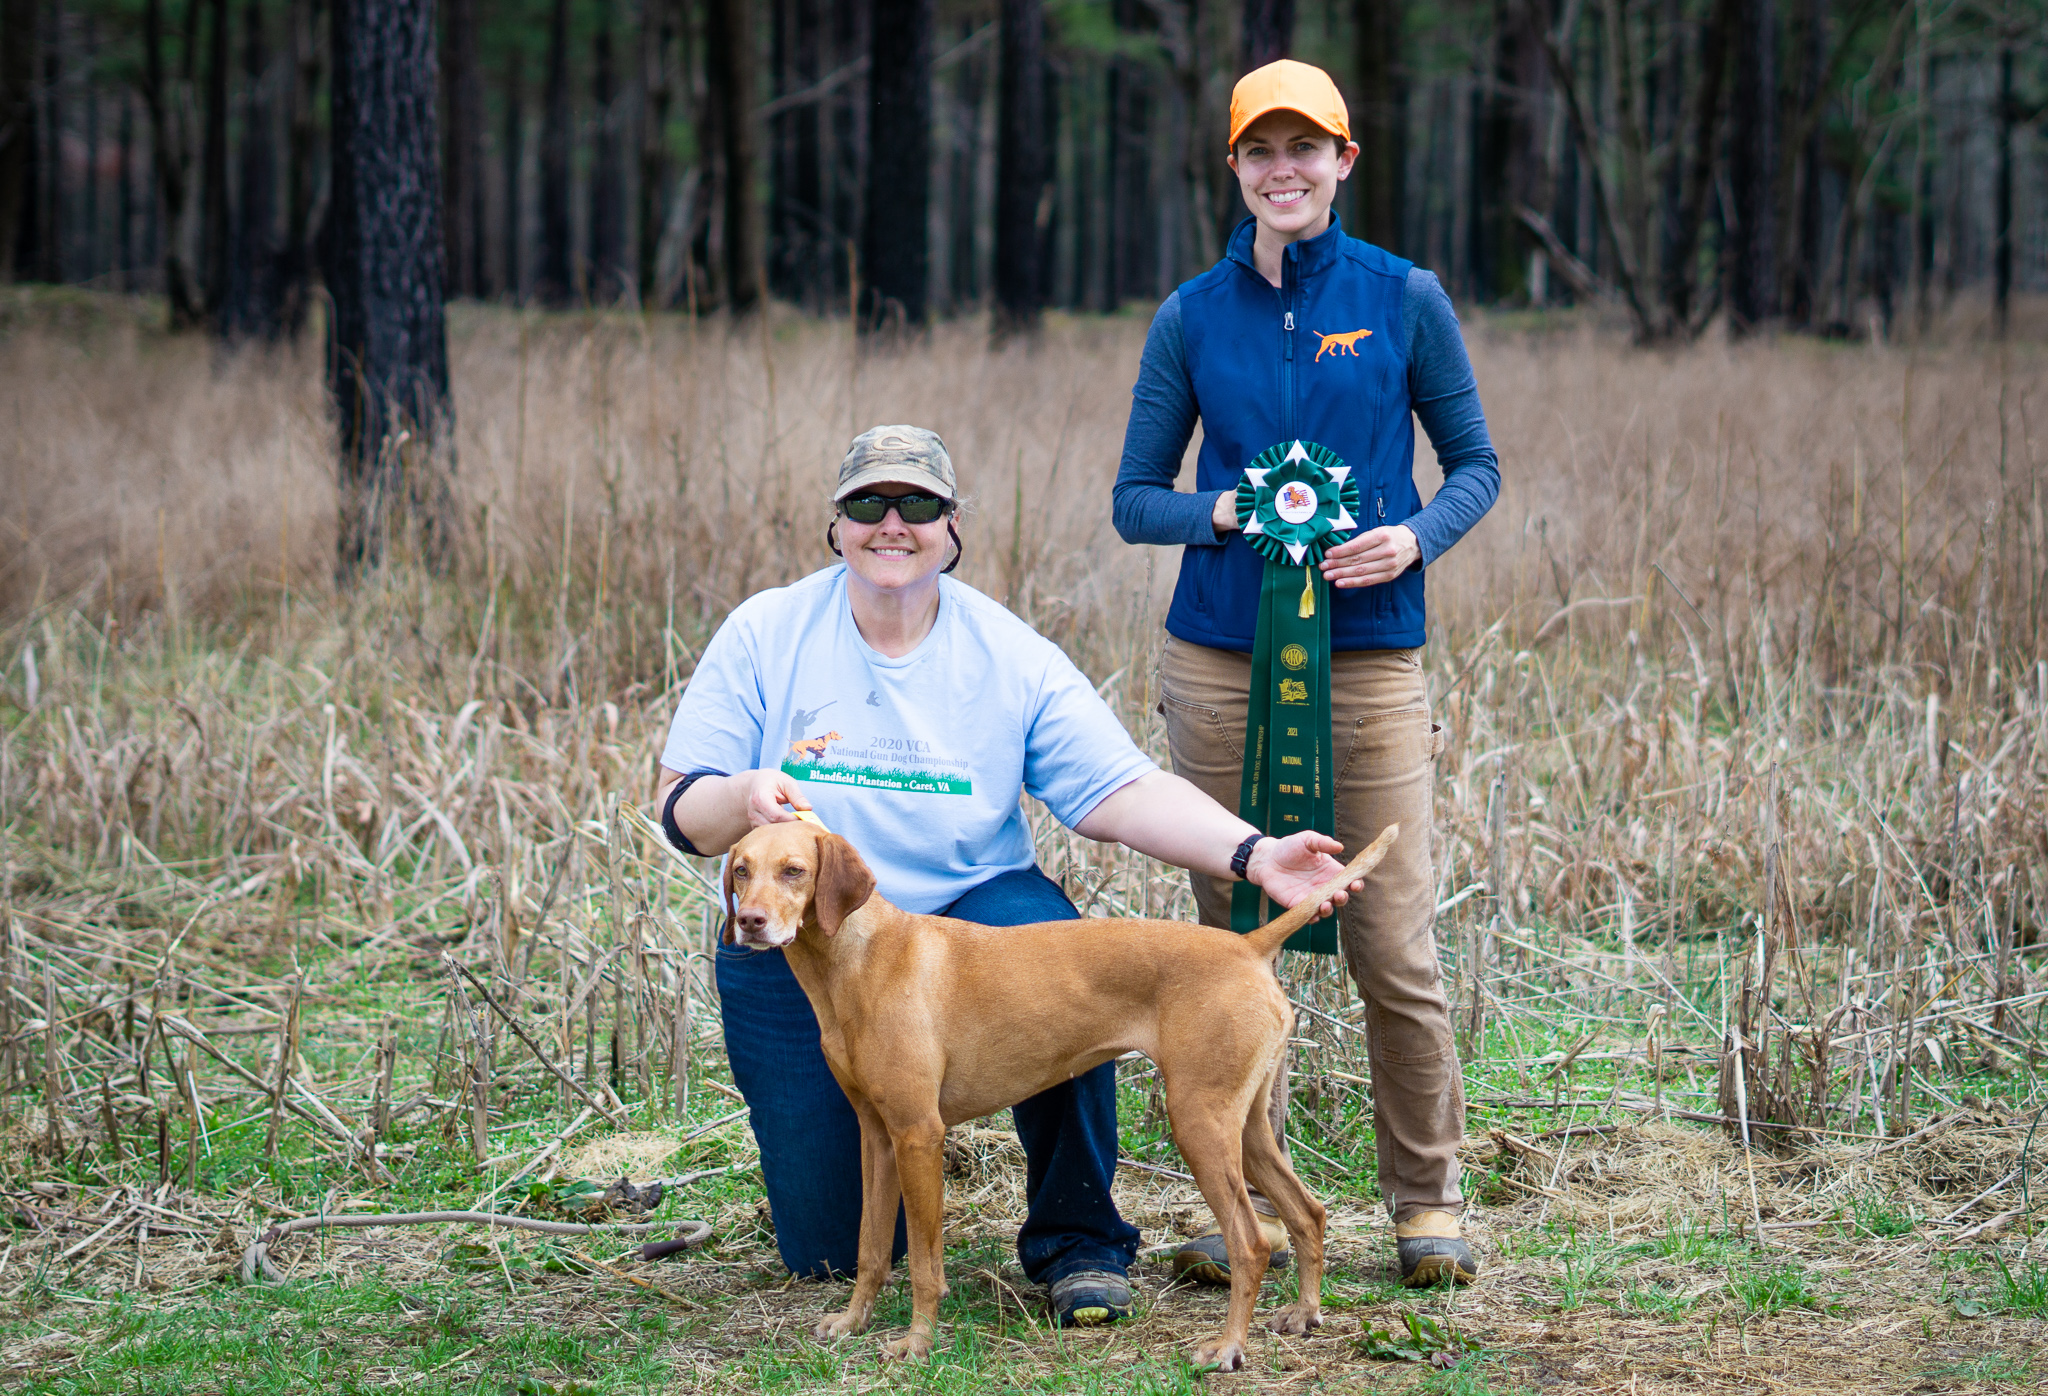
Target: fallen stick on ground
[[710, 1125], [127, 1214], [256, 1259], [1950, 1219], [649, 1285]]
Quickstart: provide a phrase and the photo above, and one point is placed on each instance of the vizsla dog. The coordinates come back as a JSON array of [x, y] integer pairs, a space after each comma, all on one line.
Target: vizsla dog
[[927, 1021]]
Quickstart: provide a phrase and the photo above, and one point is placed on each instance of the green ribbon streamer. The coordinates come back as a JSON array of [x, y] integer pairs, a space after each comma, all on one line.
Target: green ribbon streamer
[[1289, 774]]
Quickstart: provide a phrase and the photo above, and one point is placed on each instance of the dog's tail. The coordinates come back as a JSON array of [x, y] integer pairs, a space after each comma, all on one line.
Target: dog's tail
[[1268, 938]]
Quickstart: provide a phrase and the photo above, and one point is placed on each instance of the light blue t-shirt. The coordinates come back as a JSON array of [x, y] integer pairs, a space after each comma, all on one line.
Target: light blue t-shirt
[[918, 761]]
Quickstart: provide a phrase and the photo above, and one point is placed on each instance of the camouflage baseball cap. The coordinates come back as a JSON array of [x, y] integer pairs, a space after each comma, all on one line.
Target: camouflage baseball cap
[[897, 455]]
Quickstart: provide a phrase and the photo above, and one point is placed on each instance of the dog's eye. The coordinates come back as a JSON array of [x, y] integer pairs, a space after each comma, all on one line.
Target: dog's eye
[[793, 870], [739, 874]]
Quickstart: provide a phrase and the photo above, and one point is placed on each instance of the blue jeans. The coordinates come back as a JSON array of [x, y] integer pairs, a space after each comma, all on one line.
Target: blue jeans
[[810, 1137]]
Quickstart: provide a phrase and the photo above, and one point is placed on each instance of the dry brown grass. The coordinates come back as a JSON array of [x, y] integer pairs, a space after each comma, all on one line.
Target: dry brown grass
[[1744, 680]]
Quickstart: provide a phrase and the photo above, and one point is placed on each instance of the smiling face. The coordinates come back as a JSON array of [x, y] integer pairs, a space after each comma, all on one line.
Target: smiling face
[[893, 555], [1288, 169]]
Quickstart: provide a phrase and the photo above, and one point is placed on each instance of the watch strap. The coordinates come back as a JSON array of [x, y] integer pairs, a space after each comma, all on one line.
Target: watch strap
[[1243, 857]]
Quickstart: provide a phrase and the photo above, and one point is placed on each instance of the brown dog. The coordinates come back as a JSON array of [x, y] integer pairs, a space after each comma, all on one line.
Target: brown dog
[[927, 1021]]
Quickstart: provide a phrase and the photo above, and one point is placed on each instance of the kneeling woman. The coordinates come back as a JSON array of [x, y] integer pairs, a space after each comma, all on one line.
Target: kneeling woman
[[910, 712]]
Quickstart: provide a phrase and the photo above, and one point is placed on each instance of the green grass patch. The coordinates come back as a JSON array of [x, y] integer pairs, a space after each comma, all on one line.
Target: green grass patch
[[1655, 1301], [1876, 1215], [1770, 1289], [314, 1336], [1996, 1367]]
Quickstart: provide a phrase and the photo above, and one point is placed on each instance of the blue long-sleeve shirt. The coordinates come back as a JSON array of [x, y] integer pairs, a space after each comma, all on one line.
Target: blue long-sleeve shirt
[[1148, 509]]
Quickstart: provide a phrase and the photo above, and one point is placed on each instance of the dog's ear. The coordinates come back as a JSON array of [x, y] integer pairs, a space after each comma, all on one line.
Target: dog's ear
[[725, 933], [843, 884]]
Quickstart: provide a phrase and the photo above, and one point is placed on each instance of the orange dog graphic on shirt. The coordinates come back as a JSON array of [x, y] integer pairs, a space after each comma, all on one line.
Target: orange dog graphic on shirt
[[813, 748], [1346, 342]]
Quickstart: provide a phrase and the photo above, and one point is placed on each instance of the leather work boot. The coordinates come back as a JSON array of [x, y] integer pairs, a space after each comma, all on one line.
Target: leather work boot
[[1433, 1250], [1206, 1260]]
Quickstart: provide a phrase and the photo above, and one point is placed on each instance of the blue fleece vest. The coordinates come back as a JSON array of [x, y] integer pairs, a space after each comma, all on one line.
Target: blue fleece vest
[[1322, 358]]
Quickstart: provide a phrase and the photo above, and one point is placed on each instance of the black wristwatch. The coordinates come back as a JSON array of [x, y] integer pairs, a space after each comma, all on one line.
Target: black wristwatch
[[1241, 859]]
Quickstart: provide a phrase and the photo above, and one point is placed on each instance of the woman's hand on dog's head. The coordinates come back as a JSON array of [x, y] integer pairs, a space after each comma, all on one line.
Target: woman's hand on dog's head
[[768, 792]]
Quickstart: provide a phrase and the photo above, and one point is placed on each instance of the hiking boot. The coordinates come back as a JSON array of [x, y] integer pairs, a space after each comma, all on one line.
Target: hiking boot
[[1205, 1259], [1432, 1250], [1088, 1298]]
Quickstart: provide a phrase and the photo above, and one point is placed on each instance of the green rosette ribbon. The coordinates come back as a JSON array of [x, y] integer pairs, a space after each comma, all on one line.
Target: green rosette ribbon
[[1294, 502]]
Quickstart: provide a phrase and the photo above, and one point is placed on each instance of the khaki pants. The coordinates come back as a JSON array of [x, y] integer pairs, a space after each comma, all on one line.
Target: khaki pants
[[1384, 748]]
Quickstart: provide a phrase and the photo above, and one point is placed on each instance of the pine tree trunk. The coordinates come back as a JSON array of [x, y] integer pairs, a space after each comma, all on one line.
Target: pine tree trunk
[[295, 260], [1670, 81], [388, 363], [730, 40], [657, 41], [214, 229], [1803, 308], [252, 304], [607, 170], [799, 264], [462, 152], [2002, 229], [514, 152], [1268, 31], [552, 280], [49, 128], [89, 238], [895, 254], [1508, 152], [168, 164], [1379, 120], [1021, 168], [1753, 167], [844, 162], [1677, 271], [124, 201], [19, 45], [1128, 197], [814, 267]]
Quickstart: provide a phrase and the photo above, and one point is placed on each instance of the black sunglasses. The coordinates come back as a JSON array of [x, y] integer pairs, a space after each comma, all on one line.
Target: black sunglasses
[[911, 508]]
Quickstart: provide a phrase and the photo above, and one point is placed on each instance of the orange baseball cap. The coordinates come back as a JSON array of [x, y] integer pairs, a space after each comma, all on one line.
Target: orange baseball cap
[[1286, 85]]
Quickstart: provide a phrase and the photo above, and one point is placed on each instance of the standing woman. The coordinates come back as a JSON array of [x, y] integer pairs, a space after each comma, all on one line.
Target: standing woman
[[1302, 333]]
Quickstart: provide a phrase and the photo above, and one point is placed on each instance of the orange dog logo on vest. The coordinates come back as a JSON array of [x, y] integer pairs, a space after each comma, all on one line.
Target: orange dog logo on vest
[[1346, 342]]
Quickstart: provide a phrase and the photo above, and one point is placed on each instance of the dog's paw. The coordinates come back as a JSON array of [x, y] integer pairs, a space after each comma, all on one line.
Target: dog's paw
[[839, 1325], [1218, 1352], [911, 1347], [1296, 1319]]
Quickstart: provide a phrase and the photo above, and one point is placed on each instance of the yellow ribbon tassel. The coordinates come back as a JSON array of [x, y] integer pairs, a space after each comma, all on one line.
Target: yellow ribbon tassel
[[1308, 593]]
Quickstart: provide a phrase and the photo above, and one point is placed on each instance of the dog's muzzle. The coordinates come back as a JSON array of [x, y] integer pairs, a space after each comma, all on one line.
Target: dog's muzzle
[[751, 931]]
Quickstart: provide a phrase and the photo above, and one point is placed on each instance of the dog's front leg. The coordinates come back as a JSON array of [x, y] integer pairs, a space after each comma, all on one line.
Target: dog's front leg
[[920, 1150], [879, 1195]]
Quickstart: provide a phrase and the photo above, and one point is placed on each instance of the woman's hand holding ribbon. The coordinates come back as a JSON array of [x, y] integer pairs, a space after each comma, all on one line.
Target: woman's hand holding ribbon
[[1375, 556]]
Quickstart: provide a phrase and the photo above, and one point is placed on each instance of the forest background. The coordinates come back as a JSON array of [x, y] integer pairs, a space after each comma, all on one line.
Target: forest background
[[322, 731], [1840, 165]]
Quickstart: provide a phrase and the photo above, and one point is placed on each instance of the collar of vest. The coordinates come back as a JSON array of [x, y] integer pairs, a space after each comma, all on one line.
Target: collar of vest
[[1310, 255]]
